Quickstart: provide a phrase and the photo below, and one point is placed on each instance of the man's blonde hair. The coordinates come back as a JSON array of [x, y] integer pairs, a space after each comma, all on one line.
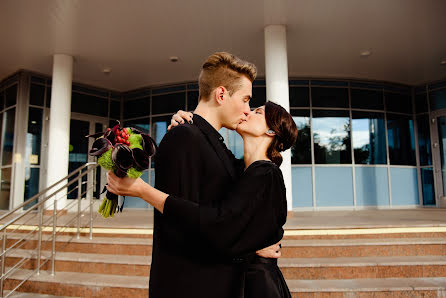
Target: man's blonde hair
[[224, 69]]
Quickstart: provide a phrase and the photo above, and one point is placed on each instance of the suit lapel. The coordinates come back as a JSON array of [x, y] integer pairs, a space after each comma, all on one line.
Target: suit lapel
[[212, 137]]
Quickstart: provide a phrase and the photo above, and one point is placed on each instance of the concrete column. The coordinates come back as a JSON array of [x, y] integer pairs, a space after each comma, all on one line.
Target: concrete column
[[276, 72], [59, 126]]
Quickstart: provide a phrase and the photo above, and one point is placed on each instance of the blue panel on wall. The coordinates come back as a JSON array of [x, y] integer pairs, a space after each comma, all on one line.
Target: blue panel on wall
[[302, 187], [404, 186], [334, 186], [132, 202], [372, 187]]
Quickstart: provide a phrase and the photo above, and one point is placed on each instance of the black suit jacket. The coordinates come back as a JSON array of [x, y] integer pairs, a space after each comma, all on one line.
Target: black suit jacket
[[192, 162]]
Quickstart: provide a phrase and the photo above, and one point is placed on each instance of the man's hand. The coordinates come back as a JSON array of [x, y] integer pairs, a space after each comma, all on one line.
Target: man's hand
[[124, 186], [272, 251], [179, 118]]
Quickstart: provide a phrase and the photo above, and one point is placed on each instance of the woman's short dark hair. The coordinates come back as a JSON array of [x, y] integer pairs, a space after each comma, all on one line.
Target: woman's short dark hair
[[282, 123]]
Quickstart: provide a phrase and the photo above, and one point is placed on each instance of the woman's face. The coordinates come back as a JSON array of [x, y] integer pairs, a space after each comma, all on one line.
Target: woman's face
[[255, 124]]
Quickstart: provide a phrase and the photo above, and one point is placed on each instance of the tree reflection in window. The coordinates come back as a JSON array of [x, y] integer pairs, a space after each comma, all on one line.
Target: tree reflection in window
[[301, 150], [369, 138], [331, 136]]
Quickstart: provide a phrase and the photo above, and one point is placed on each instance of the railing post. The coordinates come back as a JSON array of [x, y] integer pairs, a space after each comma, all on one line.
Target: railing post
[[53, 248], [3, 262], [79, 196], [39, 246]]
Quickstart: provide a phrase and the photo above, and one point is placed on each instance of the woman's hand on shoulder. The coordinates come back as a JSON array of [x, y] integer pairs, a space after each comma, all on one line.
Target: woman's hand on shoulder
[[179, 118]]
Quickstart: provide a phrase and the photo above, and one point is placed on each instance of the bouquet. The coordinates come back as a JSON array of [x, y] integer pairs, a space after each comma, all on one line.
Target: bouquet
[[126, 152]]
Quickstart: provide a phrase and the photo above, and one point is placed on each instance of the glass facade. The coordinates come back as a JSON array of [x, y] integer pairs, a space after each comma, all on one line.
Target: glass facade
[[359, 143]]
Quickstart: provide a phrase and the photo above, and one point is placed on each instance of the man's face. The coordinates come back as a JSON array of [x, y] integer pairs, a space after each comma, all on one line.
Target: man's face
[[236, 107]]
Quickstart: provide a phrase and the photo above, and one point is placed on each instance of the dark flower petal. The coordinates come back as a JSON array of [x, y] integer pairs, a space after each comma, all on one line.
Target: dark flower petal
[[116, 127], [96, 135], [136, 130], [148, 144], [122, 157], [100, 146], [141, 158], [120, 173], [110, 135]]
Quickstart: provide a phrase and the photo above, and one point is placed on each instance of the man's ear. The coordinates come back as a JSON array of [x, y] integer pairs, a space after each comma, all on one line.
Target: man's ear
[[219, 93]]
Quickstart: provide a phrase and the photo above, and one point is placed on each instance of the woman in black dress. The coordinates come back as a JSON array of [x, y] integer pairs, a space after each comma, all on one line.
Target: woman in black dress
[[255, 209]]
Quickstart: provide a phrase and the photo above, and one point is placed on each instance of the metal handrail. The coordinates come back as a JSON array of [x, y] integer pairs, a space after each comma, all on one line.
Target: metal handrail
[[91, 166], [47, 189]]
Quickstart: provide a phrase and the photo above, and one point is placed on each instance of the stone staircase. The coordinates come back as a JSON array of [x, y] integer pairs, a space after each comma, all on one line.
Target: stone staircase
[[366, 265]]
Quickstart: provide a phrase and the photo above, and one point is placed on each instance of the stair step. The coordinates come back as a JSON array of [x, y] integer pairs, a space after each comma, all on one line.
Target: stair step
[[105, 245], [31, 295], [398, 287], [81, 284], [317, 248], [130, 265]]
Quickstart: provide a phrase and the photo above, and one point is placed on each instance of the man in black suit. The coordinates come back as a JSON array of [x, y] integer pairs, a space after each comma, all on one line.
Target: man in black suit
[[192, 162]]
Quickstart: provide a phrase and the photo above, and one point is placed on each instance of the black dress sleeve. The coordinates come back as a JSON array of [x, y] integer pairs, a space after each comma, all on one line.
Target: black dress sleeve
[[251, 217]]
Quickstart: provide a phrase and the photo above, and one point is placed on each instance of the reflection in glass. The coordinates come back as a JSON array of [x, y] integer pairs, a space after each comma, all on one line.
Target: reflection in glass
[[442, 140], [369, 138], [31, 185], [141, 124], [437, 99], [159, 127], [331, 135], [233, 141], [424, 141], [2, 100], [8, 136], [400, 132], [89, 104], [34, 136], [115, 110], [421, 103], [427, 182], [5, 188], [78, 152], [301, 150]]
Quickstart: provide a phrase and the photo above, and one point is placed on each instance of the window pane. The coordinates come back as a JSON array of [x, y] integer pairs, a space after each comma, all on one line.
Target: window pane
[[331, 135], [31, 184], [137, 108], [89, 104], [367, 99], [424, 140], [369, 138], [400, 133], [258, 97], [329, 97], [159, 127], [301, 150], [192, 100], [299, 97], [421, 103], [5, 188], [8, 136], [115, 110], [168, 103], [427, 181], [437, 99], [396, 102], [37, 94], [2, 100], [34, 136], [11, 95], [141, 124], [48, 97], [233, 141]]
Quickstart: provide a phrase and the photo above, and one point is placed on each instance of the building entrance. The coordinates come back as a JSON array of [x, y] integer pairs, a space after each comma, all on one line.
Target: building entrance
[[438, 121], [81, 126]]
